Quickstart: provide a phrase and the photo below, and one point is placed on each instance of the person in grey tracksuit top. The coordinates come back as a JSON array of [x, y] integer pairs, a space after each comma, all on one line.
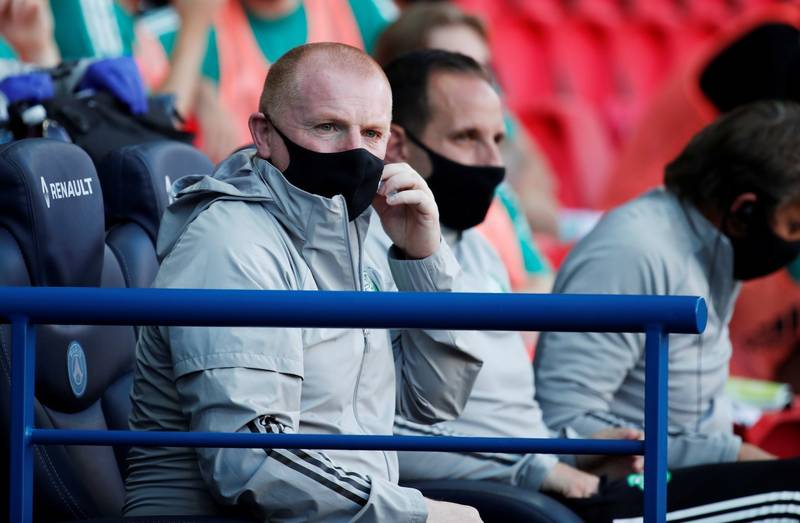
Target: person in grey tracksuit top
[[247, 227], [455, 97], [723, 217]]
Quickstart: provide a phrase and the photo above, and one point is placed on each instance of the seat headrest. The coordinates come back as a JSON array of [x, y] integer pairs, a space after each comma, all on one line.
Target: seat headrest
[[52, 204], [137, 180]]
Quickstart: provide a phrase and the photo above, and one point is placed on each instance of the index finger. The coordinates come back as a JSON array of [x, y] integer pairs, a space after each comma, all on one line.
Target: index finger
[[393, 169]]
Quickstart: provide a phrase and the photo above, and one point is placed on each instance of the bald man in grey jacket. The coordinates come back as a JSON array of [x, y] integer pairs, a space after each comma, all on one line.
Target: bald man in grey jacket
[[294, 214]]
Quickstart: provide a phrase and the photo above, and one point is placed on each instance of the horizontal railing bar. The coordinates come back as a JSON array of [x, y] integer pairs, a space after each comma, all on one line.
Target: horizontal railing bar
[[336, 442], [397, 310]]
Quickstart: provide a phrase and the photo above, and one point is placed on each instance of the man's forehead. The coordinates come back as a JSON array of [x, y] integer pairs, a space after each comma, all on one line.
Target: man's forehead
[[464, 99], [341, 91]]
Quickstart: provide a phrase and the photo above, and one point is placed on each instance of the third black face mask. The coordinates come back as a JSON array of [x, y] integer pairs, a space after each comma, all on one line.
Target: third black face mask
[[463, 193], [760, 251], [354, 174]]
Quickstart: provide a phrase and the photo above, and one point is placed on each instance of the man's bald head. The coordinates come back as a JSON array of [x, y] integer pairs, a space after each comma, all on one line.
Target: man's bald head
[[285, 76]]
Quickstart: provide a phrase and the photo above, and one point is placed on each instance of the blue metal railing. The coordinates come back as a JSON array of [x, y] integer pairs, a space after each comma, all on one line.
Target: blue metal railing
[[657, 316]]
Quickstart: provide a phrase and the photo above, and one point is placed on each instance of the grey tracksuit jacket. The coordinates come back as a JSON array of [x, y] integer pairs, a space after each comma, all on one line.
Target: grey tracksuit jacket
[[246, 227], [502, 400], [654, 244]]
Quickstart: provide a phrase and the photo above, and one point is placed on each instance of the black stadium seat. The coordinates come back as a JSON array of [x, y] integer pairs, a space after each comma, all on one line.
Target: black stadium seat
[[136, 181], [497, 502], [52, 234]]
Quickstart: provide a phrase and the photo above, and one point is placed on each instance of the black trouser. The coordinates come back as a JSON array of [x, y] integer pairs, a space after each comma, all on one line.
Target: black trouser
[[746, 491]]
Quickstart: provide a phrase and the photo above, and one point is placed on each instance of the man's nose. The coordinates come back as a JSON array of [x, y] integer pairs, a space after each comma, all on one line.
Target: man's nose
[[490, 154], [353, 139]]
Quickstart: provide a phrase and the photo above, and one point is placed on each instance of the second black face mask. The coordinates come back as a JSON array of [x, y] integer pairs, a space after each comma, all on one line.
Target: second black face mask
[[463, 193], [354, 174], [760, 252]]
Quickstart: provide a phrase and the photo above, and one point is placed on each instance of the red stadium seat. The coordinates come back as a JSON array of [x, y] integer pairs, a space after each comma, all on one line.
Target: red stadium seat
[[777, 432], [765, 326], [578, 50], [540, 12], [519, 51], [576, 145], [642, 55]]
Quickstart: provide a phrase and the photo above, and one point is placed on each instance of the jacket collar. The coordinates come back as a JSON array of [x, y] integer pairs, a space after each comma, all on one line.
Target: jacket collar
[[331, 245], [714, 250]]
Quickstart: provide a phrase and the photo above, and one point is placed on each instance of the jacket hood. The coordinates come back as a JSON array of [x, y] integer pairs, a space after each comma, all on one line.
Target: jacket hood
[[233, 179]]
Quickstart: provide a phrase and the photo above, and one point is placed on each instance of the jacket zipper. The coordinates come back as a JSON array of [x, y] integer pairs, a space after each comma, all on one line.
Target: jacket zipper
[[358, 287]]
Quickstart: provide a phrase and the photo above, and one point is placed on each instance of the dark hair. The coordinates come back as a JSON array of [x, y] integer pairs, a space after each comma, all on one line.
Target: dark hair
[[753, 148], [409, 76], [413, 28]]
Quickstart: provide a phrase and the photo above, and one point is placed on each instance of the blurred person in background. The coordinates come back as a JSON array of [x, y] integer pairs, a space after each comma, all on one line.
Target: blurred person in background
[[730, 212], [112, 28], [445, 26], [243, 38], [26, 32], [447, 124]]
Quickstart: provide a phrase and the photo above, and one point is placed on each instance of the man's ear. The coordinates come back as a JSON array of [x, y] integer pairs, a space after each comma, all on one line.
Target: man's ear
[[740, 214], [397, 148], [260, 127]]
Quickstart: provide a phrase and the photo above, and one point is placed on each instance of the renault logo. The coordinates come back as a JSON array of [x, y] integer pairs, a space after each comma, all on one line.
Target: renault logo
[[46, 192], [170, 194]]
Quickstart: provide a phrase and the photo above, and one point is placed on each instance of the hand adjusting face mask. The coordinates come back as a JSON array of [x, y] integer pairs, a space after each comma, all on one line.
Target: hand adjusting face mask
[[354, 174], [463, 193], [760, 251]]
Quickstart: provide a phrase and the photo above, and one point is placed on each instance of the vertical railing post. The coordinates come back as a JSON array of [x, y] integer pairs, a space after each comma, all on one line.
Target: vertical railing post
[[655, 425], [23, 375]]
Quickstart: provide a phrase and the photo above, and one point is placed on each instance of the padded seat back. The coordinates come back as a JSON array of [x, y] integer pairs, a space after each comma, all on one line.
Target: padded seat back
[[137, 181], [52, 234]]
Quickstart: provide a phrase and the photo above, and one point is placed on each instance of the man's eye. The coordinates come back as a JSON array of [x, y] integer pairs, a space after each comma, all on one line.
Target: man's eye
[[372, 134], [326, 127]]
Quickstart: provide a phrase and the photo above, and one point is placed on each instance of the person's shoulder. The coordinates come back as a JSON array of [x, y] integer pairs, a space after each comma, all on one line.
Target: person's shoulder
[[232, 244], [637, 247], [233, 225], [651, 223], [483, 268], [475, 243]]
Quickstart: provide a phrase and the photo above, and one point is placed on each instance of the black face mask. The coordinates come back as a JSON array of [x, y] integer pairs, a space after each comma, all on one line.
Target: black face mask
[[354, 174], [463, 193], [760, 251]]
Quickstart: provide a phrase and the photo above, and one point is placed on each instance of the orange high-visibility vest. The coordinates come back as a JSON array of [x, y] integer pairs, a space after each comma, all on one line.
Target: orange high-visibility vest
[[243, 66]]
